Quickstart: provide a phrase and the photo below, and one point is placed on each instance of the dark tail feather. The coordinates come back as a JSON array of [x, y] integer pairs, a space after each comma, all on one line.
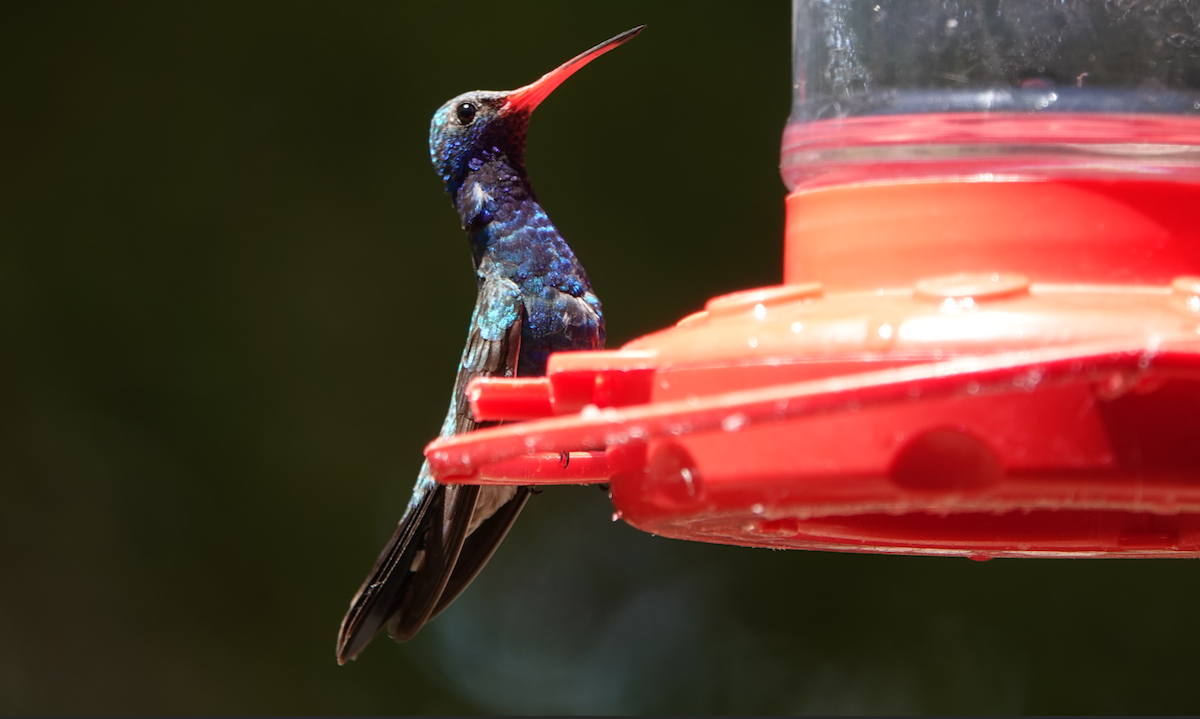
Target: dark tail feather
[[447, 532], [479, 548], [392, 590]]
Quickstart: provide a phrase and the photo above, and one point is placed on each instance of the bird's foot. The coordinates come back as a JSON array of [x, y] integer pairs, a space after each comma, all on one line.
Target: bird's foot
[[565, 458]]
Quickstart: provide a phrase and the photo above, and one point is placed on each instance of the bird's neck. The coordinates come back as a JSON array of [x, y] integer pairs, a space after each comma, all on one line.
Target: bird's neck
[[491, 185], [507, 227]]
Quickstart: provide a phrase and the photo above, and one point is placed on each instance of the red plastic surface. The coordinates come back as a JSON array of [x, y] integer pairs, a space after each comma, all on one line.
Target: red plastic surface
[[1091, 230], [1050, 411]]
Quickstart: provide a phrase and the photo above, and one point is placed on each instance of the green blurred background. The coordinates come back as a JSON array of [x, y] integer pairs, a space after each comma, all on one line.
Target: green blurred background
[[232, 299]]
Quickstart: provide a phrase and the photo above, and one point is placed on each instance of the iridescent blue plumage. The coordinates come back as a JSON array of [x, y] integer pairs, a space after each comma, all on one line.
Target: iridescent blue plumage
[[534, 299]]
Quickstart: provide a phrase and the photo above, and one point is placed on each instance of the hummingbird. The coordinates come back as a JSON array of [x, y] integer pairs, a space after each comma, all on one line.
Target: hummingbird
[[534, 299]]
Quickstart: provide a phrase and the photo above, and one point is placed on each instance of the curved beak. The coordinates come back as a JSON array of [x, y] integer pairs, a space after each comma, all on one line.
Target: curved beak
[[530, 96]]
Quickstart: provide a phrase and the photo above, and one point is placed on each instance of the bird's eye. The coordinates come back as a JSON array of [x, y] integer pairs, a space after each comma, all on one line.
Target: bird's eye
[[465, 112]]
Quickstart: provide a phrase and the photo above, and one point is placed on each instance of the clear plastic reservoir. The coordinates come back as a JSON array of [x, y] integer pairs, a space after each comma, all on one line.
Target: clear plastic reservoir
[[903, 89]]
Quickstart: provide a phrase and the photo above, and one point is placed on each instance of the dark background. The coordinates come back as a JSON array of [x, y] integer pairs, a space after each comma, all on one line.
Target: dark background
[[232, 299]]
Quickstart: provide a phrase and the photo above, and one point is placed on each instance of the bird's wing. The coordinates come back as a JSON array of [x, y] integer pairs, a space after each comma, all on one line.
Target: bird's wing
[[425, 563], [577, 324]]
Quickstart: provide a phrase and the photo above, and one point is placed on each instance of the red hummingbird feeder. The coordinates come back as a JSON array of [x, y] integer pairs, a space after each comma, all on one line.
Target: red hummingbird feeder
[[987, 339]]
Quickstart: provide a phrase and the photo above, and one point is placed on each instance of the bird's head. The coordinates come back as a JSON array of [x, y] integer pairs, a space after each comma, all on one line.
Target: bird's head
[[478, 127]]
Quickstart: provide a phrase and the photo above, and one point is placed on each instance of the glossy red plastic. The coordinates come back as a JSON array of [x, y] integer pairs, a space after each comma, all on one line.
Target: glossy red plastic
[[982, 367], [1090, 230]]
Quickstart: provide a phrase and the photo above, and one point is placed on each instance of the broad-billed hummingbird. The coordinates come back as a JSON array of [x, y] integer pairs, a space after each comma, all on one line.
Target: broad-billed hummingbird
[[534, 299]]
